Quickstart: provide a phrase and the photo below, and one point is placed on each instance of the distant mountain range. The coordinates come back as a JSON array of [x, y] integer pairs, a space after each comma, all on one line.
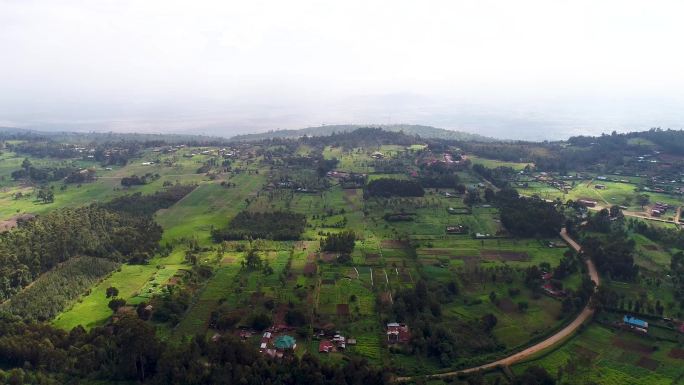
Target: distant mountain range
[[409, 129]]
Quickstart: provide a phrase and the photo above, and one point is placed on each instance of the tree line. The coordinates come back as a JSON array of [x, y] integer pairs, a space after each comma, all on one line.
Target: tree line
[[277, 226], [38, 245]]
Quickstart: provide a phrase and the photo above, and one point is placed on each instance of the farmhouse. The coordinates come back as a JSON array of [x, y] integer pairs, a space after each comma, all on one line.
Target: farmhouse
[[397, 333], [325, 346]]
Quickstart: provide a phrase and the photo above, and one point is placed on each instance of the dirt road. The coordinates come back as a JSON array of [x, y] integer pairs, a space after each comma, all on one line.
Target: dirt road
[[559, 337]]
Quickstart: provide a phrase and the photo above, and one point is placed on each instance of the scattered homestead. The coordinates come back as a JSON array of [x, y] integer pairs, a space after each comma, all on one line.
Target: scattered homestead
[[397, 333]]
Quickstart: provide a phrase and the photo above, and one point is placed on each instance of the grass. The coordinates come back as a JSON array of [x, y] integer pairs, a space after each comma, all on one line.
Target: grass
[[91, 310], [492, 163]]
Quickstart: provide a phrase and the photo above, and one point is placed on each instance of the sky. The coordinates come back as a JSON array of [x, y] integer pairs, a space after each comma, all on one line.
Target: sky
[[520, 69]]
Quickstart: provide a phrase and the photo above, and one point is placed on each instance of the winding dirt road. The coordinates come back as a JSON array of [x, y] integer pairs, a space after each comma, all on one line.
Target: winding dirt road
[[559, 337]]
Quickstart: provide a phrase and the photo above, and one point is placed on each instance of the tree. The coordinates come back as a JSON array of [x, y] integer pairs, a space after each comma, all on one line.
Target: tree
[[112, 292], [116, 303], [489, 195], [26, 165], [643, 200]]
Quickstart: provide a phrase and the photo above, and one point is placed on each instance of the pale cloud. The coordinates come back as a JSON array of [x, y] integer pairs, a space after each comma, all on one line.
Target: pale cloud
[[230, 66]]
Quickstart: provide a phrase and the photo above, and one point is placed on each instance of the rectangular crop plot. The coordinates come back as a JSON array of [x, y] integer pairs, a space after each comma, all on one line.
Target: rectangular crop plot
[[500, 255]]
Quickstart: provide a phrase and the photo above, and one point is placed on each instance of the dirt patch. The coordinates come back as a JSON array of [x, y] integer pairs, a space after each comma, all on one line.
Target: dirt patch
[[586, 353], [328, 257], [227, 260], [648, 363], [507, 306], [651, 247], [342, 309], [11, 223], [311, 257], [393, 244], [328, 281], [632, 346], [500, 255], [310, 268], [173, 281], [372, 257], [444, 252], [676, 353]]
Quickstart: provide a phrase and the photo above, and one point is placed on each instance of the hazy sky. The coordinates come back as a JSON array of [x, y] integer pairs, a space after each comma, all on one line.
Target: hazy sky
[[529, 69]]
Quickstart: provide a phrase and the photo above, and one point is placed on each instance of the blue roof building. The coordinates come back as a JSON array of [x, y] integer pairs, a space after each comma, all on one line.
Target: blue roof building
[[631, 321]]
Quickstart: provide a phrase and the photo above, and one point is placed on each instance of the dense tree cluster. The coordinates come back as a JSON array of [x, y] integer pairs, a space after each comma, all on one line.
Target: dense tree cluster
[[677, 272], [669, 237], [70, 174], [613, 255], [38, 245], [528, 217], [363, 137], [388, 187], [128, 350], [57, 288], [278, 226], [498, 176], [421, 307], [149, 204], [135, 180], [342, 242]]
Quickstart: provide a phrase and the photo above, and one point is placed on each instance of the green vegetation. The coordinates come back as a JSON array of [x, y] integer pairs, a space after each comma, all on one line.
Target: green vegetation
[[53, 291], [319, 236], [279, 226]]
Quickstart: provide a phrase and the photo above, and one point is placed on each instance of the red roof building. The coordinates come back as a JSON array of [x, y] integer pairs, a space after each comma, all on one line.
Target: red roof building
[[397, 333], [325, 346]]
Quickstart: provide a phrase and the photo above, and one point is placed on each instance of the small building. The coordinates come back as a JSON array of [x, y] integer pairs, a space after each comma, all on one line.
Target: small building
[[397, 333], [340, 341], [458, 229], [285, 342], [377, 155], [587, 202], [635, 323], [326, 346], [600, 186]]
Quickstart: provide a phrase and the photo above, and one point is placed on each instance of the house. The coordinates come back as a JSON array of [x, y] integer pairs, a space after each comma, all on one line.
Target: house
[[326, 346], [458, 229], [377, 155], [397, 333], [635, 323], [285, 342], [340, 341], [587, 202]]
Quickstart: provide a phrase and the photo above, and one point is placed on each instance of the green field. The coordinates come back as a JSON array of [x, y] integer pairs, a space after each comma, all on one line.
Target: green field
[[599, 355]]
